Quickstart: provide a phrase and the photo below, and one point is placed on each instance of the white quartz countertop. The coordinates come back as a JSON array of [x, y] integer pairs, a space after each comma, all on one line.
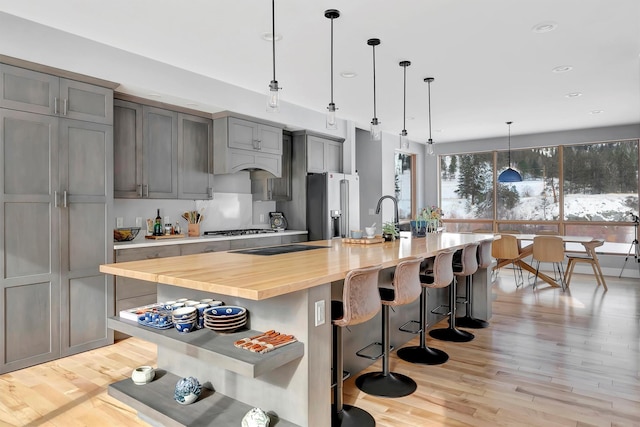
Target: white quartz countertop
[[141, 242]]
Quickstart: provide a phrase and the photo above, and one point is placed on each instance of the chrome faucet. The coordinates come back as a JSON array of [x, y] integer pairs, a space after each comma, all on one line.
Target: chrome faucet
[[396, 221]]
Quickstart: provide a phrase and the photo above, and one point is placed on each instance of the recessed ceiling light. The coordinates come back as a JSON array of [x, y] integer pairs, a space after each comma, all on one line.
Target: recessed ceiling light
[[596, 111], [411, 118], [573, 94], [438, 130], [544, 27], [269, 37], [562, 69], [348, 74]]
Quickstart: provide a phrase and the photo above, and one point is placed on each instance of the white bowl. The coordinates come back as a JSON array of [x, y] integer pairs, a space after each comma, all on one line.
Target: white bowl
[[371, 231], [143, 375]]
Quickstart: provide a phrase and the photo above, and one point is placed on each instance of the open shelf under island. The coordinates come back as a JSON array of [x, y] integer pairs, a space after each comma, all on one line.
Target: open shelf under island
[[280, 292]]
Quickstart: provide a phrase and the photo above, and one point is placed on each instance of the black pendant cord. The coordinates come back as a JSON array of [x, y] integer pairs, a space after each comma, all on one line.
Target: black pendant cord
[[404, 107], [509, 154], [331, 60], [273, 35], [374, 82], [429, 106]]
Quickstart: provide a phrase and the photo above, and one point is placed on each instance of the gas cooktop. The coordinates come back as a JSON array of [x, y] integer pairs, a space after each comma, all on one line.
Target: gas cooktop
[[241, 232]]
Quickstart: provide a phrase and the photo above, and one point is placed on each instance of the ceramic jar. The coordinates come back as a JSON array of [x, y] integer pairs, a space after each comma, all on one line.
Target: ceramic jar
[[143, 375]]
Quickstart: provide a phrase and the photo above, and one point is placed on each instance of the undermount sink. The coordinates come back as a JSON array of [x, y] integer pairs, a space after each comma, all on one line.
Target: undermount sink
[[277, 250]]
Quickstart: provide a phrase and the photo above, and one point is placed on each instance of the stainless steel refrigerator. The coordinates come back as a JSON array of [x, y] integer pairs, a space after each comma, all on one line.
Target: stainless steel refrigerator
[[333, 205]]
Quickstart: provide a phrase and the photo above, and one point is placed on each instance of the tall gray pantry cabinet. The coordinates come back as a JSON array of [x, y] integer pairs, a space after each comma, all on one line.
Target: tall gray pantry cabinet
[[56, 192]]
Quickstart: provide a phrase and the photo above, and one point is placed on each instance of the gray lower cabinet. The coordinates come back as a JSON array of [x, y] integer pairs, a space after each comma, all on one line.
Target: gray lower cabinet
[[41, 93], [56, 197], [161, 154]]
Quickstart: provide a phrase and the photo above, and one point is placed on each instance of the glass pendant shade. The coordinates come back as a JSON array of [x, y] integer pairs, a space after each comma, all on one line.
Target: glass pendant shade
[[331, 117], [430, 151], [376, 133], [331, 109], [273, 97], [404, 140], [509, 174]]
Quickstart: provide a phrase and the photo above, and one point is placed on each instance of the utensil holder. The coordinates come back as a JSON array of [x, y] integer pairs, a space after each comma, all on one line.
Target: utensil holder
[[193, 230]]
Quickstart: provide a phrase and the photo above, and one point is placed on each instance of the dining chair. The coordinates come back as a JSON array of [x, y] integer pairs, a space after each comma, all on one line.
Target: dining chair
[[549, 249], [506, 248], [591, 258]]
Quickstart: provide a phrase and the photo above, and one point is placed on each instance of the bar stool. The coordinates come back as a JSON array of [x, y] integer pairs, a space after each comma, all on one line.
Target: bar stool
[[468, 266], [441, 277], [406, 288], [360, 302], [483, 261]]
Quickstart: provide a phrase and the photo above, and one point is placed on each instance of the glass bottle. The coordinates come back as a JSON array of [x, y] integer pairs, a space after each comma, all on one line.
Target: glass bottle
[[157, 227]]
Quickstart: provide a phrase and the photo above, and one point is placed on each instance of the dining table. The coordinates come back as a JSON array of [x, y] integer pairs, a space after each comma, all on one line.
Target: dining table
[[527, 250]]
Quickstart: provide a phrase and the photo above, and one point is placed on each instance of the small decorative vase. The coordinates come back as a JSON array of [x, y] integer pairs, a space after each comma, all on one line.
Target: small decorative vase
[[187, 391], [256, 417], [388, 237], [143, 375]]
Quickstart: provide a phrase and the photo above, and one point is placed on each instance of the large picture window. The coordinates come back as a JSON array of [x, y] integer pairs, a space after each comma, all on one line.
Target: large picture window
[[405, 185], [587, 189]]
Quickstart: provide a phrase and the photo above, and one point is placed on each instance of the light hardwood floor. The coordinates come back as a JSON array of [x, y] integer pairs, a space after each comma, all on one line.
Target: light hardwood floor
[[548, 359]]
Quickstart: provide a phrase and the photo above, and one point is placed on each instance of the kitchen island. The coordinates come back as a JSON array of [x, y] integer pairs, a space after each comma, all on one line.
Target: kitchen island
[[288, 292]]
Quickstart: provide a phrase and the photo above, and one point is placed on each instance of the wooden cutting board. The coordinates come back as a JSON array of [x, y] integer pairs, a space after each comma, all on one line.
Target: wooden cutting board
[[165, 236], [364, 241]]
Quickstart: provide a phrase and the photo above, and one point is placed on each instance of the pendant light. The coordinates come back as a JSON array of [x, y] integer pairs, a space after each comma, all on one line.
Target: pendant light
[[273, 97], [430, 151], [509, 175], [331, 109], [404, 141], [376, 134]]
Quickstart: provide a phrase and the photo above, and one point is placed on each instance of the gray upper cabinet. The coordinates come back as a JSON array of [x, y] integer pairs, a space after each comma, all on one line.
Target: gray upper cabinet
[[42, 93], [127, 149], [161, 154], [241, 144], [322, 153], [195, 157]]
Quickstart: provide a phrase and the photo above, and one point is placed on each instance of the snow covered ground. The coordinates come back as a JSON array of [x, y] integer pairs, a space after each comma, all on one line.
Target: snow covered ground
[[584, 207]]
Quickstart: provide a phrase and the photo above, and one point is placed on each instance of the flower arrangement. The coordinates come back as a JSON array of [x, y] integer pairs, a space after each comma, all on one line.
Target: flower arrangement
[[431, 215]]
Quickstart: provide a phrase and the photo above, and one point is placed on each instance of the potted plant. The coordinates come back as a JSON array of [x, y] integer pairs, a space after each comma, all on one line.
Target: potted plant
[[389, 231]]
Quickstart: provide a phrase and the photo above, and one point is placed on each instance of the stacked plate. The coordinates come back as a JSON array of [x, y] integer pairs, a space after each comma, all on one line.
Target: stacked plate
[[225, 318], [185, 319]]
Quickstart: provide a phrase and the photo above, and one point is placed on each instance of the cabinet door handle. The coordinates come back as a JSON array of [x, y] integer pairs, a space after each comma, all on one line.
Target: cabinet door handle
[[210, 192], [55, 105], [55, 199], [259, 141], [64, 199], [64, 108], [139, 190], [146, 190]]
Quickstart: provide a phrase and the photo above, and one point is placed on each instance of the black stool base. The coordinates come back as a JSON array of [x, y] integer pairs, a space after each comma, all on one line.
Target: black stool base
[[352, 416], [423, 355], [449, 334], [471, 322], [391, 385]]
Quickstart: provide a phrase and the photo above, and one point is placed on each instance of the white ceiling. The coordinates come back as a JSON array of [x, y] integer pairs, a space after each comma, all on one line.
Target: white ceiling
[[488, 64]]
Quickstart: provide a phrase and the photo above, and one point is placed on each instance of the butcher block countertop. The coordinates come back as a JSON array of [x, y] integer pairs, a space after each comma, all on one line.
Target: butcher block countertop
[[258, 277]]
